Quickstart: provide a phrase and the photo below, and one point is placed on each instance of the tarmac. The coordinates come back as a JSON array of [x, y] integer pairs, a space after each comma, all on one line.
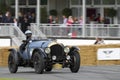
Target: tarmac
[[85, 73]]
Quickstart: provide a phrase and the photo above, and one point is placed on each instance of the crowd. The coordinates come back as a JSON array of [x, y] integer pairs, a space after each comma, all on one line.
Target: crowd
[[23, 21], [97, 19], [65, 20], [7, 18]]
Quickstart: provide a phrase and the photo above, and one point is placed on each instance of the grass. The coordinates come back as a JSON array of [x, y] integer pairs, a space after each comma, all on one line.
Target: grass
[[11, 79]]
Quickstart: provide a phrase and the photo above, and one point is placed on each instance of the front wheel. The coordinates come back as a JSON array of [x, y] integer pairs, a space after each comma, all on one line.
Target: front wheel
[[12, 65], [38, 62], [48, 69], [75, 62]]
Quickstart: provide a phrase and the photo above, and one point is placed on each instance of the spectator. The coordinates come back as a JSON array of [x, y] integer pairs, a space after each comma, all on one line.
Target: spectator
[[50, 20], [98, 18], [33, 18], [92, 18], [70, 30], [70, 21], [25, 24], [64, 19], [81, 20], [29, 16], [7, 18], [15, 22], [106, 20], [102, 20], [20, 18], [76, 20], [99, 41], [81, 25], [56, 20]]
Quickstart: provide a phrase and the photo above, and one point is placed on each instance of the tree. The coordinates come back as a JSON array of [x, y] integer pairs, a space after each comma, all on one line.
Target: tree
[[43, 15], [67, 12], [4, 5], [110, 12], [53, 12]]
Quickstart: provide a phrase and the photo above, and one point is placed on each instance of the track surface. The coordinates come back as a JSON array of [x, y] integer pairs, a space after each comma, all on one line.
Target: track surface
[[85, 73]]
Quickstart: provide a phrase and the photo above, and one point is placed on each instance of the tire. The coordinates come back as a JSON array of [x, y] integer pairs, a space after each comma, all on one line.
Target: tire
[[12, 63], [48, 69], [75, 62], [38, 62]]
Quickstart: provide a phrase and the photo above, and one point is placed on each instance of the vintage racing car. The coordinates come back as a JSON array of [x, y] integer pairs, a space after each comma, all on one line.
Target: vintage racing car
[[44, 55]]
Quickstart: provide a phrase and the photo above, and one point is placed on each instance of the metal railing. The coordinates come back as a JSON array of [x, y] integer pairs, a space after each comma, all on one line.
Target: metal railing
[[61, 31], [76, 30], [36, 32], [14, 32], [103, 30]]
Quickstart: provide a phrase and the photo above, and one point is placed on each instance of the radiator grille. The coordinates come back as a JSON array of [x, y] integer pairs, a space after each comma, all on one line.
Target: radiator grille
[[58, 51]]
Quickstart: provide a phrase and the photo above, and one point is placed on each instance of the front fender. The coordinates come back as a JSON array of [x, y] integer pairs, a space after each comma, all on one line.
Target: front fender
[[41, 52], [74, 48], [14, 52]]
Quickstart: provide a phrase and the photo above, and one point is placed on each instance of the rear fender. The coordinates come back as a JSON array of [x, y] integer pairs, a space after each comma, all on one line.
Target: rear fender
[[14, 52]]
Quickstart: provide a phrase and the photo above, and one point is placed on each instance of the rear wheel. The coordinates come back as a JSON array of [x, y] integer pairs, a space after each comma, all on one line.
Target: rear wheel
[[12, 63], [38, 62], [75, 62]]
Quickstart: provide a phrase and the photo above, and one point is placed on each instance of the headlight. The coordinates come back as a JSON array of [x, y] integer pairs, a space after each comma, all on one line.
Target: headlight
[[68, 57], [66, 49], [47, 50], [53, 57]]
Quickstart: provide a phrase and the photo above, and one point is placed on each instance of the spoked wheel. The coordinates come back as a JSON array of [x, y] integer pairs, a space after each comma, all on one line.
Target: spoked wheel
[[75, 62], [38, 61], [12, 65]]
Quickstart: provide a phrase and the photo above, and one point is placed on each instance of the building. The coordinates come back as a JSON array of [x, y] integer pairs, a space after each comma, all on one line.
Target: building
[[85, 8]]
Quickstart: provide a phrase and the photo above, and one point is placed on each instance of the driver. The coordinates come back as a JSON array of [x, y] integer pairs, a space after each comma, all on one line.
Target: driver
[[28, 34]]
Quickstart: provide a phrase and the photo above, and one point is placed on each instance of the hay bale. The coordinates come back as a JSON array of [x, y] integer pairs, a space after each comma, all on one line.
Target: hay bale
[[4, 56], [88, 54], [107, 62], [1, 56]]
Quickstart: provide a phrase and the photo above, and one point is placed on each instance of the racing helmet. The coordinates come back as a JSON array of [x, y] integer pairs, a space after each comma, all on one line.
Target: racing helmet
[[28, 34]]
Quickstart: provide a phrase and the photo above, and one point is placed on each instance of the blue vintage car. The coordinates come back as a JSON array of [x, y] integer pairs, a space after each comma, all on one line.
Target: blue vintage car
[[44, 55]]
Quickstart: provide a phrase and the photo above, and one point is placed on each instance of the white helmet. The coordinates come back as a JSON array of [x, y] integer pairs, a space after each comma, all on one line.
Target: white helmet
[[28, 32]]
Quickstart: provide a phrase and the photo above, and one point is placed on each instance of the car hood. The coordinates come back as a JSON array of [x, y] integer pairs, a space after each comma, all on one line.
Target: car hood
[[42, 43]]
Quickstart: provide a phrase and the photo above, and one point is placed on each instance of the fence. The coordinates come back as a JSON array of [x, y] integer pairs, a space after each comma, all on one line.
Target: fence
[[12, 31], [77, 31], [62, 31]]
